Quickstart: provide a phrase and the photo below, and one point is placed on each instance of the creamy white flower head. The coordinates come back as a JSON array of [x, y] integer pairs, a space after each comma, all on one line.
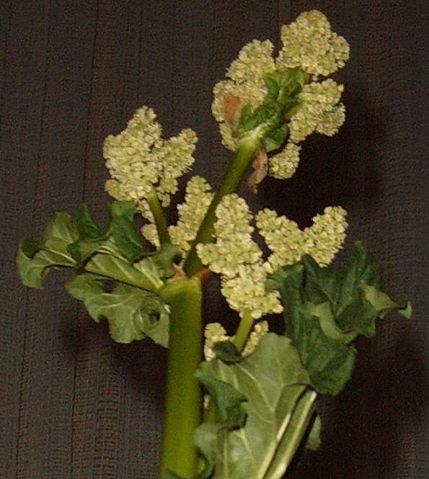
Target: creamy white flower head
[[237, 258], [310, 45], [234, 245], [284, 164], [310, 50], [259, 331], [140, 162], [245, 86], [215, 333], [289, 243], [282, 236], [191, 212], [327, 234], [318, 110], [246, 292]]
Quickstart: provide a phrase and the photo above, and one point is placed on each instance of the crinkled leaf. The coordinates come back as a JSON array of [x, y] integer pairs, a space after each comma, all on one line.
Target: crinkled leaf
[[126, 238], [122, 209], [147, 277], [34, 260], [325, 311], [123, 231], [132, 313], [159, 266], [164, 259], [329, 362], [120, 239], [272, 379]]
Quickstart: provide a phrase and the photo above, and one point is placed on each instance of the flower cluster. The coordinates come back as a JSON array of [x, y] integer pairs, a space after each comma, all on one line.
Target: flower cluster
[[191, 212], [319, 111], [198, 196], [141, 163], [238, 259], [289, 243], [309, 45], [215, 333]]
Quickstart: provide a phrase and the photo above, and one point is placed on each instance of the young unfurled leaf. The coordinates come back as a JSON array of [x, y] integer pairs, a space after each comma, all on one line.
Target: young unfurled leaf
[[325, 311], [34, 260], [132, 313], [272, 380]]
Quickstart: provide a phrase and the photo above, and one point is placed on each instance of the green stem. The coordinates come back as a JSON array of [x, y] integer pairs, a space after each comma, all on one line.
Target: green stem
[[159, 216], [183, 396], [231, 180], [246, 324], [293, 435]]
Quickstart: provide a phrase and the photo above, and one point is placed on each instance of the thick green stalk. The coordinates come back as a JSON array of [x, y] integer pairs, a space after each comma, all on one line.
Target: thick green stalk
[[293, 435], [183, 396], [231, 180], [159, 217]]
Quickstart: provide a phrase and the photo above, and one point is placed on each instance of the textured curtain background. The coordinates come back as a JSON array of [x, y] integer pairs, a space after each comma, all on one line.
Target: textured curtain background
[[75, 405]]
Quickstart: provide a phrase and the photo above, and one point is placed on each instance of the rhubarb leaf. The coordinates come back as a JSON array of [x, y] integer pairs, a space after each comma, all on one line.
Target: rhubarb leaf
[[272, 380], [35, 259], [325, 311], [132, 313]]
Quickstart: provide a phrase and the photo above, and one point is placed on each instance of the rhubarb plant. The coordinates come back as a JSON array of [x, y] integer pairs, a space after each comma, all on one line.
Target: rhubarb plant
[[240, 399]]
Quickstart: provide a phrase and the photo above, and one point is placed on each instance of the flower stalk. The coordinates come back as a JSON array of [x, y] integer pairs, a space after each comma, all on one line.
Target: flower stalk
[[183, 395], [159, 218], [234, 174]]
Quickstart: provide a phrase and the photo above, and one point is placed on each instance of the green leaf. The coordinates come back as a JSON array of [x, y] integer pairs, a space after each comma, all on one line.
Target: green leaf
[[132, 313], [126, 238], [30, 247], [164, 260], [120, 239], [85, 223], [142, 275], [122, 209], [227, 352], [276, 138], [272, 380], [34, 260], [325, 311], [227, 400], [329, 362]]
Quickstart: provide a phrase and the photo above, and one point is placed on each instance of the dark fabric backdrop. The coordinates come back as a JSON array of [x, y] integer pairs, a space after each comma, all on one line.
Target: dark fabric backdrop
[[75, 405]]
